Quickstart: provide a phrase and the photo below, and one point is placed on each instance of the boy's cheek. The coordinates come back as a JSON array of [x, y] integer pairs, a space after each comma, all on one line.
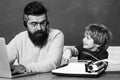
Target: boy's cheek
[[85, 46]]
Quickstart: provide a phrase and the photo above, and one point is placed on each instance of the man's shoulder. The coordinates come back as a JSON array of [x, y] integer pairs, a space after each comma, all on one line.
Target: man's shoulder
[[21, 34], [55, 32]]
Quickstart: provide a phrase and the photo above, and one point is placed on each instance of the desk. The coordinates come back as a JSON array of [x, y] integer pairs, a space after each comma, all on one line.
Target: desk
[[49, 76]]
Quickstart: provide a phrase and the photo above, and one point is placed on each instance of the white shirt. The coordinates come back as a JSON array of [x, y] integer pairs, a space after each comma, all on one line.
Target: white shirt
[[37, 59]]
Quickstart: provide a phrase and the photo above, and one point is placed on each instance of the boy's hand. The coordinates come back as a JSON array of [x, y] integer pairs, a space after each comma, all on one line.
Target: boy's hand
[[67, 55], [18, 69]]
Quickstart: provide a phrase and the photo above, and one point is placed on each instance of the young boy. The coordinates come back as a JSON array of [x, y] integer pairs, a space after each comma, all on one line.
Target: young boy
[[94, 45]]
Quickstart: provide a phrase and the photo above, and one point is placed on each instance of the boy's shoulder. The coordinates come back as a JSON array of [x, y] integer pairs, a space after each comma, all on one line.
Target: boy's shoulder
[[79, 47]]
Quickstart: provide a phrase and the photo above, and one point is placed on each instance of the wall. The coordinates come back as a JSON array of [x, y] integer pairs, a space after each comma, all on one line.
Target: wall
[[70, 16]]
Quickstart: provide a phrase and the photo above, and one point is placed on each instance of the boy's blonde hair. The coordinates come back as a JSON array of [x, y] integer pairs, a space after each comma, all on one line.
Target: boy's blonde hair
[[100, 34]]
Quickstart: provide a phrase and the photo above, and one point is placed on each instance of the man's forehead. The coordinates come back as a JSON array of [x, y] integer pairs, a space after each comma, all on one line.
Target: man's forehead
[[39, 18], [87, 32]]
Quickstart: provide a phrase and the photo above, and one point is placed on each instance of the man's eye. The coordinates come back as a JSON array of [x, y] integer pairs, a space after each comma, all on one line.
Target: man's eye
[[43, 23], [34, 24]]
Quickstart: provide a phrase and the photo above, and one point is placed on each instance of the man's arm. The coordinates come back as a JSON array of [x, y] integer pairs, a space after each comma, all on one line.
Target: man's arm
[[53, 58], [12, 55], [12, 50]]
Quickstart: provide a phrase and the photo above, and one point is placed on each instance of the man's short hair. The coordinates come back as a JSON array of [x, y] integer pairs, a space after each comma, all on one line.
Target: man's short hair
[[100, 34], [35, 8]]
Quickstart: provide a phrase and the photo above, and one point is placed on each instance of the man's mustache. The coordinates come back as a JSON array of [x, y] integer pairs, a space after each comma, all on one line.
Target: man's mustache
[[40, 32]]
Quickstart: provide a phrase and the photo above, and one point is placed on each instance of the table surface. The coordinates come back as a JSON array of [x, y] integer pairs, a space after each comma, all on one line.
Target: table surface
[[49, 76]]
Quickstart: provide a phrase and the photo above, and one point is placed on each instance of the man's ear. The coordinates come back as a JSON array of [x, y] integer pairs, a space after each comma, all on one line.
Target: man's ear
[[25, 18]]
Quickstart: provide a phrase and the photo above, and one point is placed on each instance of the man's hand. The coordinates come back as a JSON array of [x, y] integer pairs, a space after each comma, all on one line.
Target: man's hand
[[18, 69]]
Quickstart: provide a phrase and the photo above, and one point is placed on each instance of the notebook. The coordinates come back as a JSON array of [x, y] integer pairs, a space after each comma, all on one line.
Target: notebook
[[5, 70], [77, 69]]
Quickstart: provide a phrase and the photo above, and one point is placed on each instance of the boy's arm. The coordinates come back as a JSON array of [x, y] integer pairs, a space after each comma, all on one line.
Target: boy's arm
[[103, 58], [69, 51]]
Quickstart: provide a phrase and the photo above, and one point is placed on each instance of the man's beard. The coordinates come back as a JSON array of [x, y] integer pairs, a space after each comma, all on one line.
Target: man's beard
[[39, 38]]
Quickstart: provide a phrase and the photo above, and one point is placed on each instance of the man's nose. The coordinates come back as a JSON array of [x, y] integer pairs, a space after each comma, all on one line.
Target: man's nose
[[39, 27]]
